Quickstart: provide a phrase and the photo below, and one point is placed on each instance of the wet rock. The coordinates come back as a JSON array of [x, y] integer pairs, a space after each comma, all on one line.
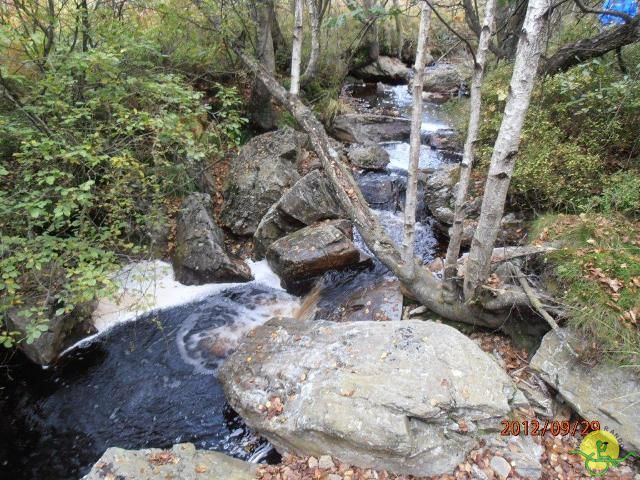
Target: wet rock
[[303, 255], [411, 397], [62, 331], [443, 78], [370, 129], [311, 199], [384, 69], [382, 191], [265, 167], [368, 157], [448, 140], [200, 255], [439, 192], [604, 392], [378, 301], [182, 461]]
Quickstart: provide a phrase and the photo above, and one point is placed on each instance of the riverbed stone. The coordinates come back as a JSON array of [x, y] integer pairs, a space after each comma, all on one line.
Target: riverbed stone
[[411, 397], [379, 300], [366, 128], [382, 191], [385, 69], [263, 170], [603, 392], [62, 331], [182, 462], [368, 157], [305, 254], [310, 200], [443, 78], [200, 255]]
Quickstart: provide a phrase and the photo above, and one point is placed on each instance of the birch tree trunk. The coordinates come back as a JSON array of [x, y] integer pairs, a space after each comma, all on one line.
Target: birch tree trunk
[[453, 250], [418, 281], [408, 243], [296, 48], [314, 56], [506, 146]]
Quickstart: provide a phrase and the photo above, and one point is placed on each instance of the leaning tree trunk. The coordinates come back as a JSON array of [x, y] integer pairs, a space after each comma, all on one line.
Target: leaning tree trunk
[[418, 281], [408, 244], [296, 49], [506, 146], [588, 48], [455, 238], [314, 57]]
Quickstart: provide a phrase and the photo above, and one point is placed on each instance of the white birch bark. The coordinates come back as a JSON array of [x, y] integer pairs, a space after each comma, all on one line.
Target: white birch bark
[[453, 250], [296, 49], [314, 57], [408, 242], [506, 146]]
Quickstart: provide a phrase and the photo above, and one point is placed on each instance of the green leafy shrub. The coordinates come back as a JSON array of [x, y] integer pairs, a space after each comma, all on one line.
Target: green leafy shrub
[[581, 126], [621, 193], [98, 143]]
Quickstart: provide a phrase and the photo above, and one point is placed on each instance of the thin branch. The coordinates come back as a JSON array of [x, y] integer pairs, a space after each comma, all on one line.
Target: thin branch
[[614, 13], [452, 30]]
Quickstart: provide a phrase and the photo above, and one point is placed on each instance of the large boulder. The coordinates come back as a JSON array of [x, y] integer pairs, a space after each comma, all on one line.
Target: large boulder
[[366, 128], [604, 392], [200, 255], [265, 167], [411, 397], [305, 254], [62, 331], [384, 69], [182, 462], [368, 157], [311, 199], [443, 78]]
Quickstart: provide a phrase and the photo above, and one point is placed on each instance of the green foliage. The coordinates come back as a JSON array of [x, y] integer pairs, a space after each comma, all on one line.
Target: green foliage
[[581, 125], [621, 193], [597, 276], [102, 139]]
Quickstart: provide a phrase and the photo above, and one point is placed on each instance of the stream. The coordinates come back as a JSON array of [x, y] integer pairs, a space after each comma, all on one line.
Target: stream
[[150, 380]]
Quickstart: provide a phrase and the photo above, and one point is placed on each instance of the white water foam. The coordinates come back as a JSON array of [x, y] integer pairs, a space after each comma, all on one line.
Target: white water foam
[[150, 286], [214, 329], [399, 156]]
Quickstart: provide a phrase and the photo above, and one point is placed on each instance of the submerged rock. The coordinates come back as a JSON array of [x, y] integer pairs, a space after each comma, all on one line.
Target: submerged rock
[[411, 397], [370, 129], [605, 393], [368, 157], [377, 301], [311, 199], [384, 69], [265, 167], [200, 255], [182, 462], [305, 254]]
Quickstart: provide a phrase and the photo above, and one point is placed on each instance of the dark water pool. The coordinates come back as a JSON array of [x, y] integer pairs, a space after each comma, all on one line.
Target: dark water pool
[[148, 383]]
